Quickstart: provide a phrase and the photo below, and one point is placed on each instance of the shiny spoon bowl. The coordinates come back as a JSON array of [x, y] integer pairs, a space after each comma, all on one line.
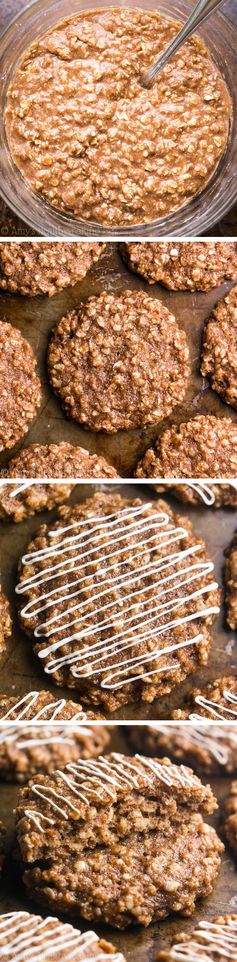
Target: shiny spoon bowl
[[201, 12]]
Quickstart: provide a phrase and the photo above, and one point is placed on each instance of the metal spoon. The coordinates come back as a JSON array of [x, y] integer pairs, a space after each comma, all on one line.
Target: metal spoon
[[203, 10]]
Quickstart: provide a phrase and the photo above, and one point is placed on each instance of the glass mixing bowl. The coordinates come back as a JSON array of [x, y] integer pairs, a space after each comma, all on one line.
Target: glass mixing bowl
[[203, 211]]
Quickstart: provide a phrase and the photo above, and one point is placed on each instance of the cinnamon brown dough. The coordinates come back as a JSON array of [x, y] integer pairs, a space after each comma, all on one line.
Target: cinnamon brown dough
[[62, 460], [121, 625], [92, 140], [213, 939], [219, 353], [24, 935], [230, 816], [183, 265], [5, 622], [36, 267], [29, 748], [208, 748], [119, 362], [205, 447], [18, 502], [230, 575], [20, 392], [216, 700], [118, 839]]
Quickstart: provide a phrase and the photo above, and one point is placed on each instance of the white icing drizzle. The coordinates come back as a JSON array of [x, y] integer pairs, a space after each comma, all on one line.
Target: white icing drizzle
[[17, 490], [216, 939], [205, 490], [216, 709], [214, 740], [132, 624], [92, 779], [50, 937], [50, 710]]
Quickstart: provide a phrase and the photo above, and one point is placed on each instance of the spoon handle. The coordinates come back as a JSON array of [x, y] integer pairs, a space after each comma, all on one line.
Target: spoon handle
[[201, 12]]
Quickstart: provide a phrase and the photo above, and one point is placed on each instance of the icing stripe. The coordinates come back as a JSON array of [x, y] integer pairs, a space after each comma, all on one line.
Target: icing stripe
[[96, 615], [50, 937], [214, 741], [213, 939], [51, 710], [216, 709]]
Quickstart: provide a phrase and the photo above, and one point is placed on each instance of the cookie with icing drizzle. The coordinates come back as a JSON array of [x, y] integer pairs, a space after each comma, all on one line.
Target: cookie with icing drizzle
[[5, 622], [230, 576], [207, 747], [230, 816], [216, 701], [23, 935], [118, 839], [213, 940], [43, 740], [22, 500], [119, 597]]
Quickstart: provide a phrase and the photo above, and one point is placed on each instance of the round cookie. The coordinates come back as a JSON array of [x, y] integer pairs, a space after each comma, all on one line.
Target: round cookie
[[36, 267], [20, 501], [183, 265], [219, 351], [208, 748], [131, 595], [230, 578], [230, 816], [217, 700], [62, 460], [205, 447], [23, 935], [117, 839], [214, 940], [5, 622], [20, 392], [29, 747], [119, 362]]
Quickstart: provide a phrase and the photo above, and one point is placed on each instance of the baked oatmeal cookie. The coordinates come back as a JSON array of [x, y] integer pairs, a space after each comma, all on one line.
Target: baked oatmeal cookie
[[230, 816], [23, 935], [62, 460], [29, 747], [119, 598], [230, 577], [20, 501], [20, 391], [36, 267], [88, 136], [216, 700], [183, 265], [208, 748], [118, 839], [5, 622], [219, 351], [212, 939], [205, 447], [119, 362]]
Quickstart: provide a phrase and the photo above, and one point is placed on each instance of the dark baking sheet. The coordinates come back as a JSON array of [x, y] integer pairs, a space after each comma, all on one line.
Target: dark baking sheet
[[136, 943], [21, 670], [36, 317]]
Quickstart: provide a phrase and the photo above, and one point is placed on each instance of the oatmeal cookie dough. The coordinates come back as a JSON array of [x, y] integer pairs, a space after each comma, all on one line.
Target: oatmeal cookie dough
[[37, 267], [219, 352], [132, 599], [125, 844], [5, 622], [18, 502], [92, 140], [24, 935], [216, 700], [208, 748], [230, 816], [29, 748], [20, 392], [119, 362], [62, 460], [205, 447], [230, 576], [183, 265], [212, 939]]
